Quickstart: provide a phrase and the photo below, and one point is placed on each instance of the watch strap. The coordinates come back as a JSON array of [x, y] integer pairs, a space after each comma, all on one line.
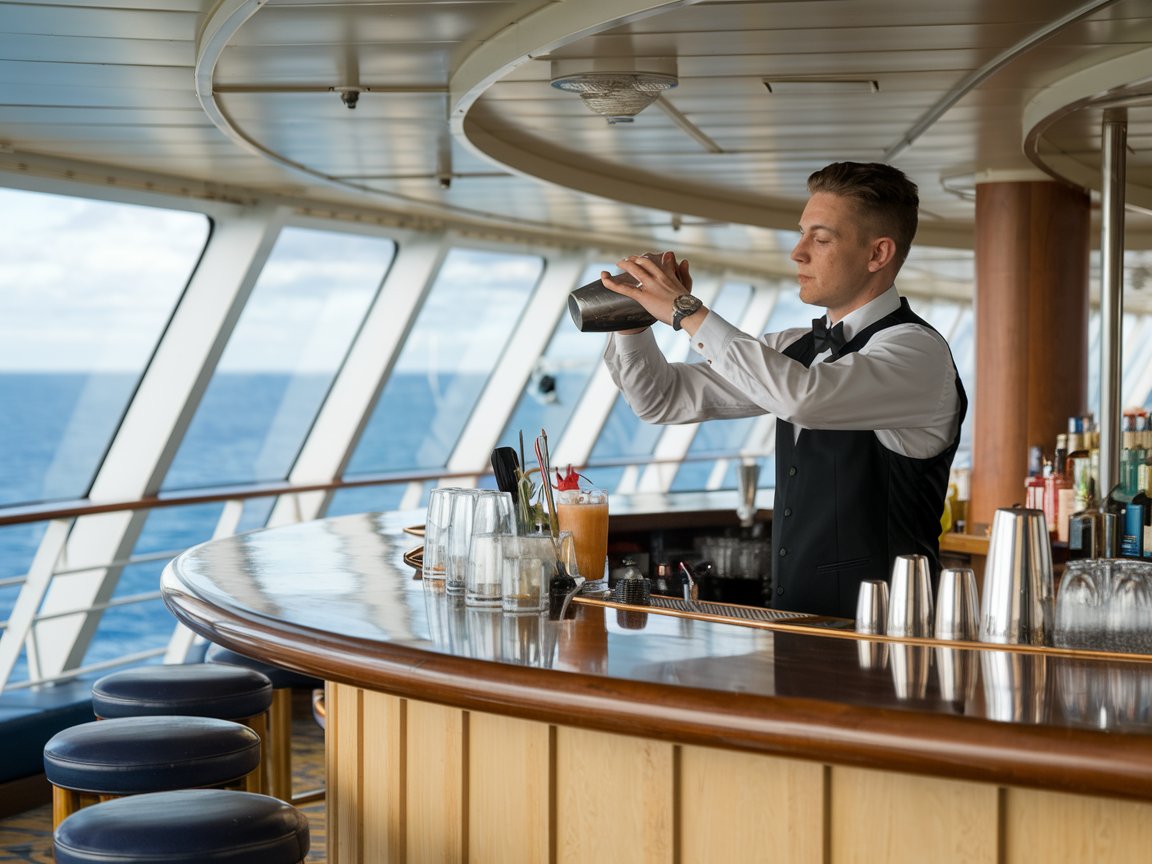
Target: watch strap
[[678, 314]]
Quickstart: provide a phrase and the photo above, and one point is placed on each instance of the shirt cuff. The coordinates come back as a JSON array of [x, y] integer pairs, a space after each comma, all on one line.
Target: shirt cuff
[[713, 337], [631, 343]]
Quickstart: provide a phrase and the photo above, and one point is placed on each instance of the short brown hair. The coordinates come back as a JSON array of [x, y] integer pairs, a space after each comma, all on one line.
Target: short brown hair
[[887, 200]]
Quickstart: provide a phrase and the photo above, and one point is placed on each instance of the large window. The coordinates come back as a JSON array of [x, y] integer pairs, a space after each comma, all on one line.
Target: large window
[[558, 378], [718, 436], [459, 334], [624, 435], [296, 329], [306, 308], [86, 289]]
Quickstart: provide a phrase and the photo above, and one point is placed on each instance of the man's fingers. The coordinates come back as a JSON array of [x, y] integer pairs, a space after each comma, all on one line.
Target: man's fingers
[[609, 281]]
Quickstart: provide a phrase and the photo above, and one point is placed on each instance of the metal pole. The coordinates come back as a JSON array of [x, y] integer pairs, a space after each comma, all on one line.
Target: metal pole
[[1113, 169]]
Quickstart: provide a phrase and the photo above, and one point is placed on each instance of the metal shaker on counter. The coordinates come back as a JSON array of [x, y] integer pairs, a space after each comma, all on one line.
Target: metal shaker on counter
[[1016, 607]]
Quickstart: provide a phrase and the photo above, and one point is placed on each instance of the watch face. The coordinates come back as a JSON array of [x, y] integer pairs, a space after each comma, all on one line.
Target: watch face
[[687, 303]]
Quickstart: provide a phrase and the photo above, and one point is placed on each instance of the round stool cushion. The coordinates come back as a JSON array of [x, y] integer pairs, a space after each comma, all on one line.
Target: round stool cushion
[[195, 689], [130, 755], [279, 676], [190, 826]]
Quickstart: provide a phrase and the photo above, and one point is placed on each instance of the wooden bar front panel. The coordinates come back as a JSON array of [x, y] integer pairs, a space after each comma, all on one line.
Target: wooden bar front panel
[[416, 782]]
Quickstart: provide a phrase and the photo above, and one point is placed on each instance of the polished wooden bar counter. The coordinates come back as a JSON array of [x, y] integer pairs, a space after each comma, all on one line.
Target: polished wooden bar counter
[[461, 734]]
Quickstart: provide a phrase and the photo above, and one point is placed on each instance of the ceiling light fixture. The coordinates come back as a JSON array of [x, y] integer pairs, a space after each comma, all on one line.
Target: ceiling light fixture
[[782, 85], [617, 94]]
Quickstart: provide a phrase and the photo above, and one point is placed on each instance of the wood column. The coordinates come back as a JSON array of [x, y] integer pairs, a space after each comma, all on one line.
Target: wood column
[[1032, 246]]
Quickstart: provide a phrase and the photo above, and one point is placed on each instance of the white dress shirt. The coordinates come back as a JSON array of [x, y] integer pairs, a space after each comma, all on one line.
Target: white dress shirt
[[900, 385]]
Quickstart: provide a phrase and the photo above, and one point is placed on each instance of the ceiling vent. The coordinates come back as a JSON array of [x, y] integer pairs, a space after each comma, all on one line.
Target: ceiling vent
[[615, 91], [812, 85]]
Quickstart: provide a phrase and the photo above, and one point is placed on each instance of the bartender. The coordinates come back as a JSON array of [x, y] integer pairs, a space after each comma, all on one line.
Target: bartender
[[868, 402]]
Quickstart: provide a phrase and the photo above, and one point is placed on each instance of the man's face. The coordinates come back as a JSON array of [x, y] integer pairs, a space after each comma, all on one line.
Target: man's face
[[833, 254]]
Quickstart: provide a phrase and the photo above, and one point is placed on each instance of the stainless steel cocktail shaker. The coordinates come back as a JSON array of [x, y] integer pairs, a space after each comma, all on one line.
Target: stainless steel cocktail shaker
[[596, 309], [1017, 604]]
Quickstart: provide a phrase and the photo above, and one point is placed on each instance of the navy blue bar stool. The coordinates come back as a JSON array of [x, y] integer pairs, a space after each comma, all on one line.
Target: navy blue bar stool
[[193, 826], [193, 689], [133, 755], [278, 753]]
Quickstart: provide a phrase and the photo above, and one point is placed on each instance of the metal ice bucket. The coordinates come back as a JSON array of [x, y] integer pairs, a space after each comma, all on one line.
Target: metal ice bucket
[[1016, 606]]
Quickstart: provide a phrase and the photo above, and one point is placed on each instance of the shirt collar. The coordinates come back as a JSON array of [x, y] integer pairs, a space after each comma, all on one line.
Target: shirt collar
[[869, 313]]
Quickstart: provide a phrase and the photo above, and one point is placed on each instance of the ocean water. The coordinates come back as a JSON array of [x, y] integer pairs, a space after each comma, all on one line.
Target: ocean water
[[56, 428]]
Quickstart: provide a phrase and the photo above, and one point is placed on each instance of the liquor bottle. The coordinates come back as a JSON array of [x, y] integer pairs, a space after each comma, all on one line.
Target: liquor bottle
[[1083, 534], [1080, 466], [1135, 525], [1131, 455], [1055, 482], [1034, 482]]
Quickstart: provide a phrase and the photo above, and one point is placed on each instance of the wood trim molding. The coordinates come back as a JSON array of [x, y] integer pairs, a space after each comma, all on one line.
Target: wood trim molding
[[835, 732]]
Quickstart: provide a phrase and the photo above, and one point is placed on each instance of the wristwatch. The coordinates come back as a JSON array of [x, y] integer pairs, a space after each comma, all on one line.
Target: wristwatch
[[682, 307]]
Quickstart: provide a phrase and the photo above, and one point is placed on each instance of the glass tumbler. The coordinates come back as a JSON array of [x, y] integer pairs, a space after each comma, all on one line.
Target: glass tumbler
[[529, 565], [1080, 604], [1128, 615], [463, 508], [492, 520], [436, 532]]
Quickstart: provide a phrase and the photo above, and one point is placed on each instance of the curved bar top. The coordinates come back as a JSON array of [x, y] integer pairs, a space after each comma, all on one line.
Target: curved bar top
[[334, 599]]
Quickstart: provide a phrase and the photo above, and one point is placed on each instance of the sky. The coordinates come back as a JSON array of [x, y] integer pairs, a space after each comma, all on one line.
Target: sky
[[89, 285]]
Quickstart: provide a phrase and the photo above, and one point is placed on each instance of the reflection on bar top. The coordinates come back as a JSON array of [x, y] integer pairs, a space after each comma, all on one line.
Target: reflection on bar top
[[344, 578]]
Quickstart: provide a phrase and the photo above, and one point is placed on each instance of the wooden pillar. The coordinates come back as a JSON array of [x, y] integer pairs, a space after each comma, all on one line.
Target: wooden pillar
[[1032, 245]]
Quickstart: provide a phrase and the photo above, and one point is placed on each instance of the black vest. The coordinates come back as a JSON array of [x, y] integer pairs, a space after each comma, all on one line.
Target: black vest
[[846, 506]]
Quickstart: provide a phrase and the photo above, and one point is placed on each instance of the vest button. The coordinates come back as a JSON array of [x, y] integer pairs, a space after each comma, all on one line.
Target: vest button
[[783, 551], [787, 511], [779, 592], [792, 471]]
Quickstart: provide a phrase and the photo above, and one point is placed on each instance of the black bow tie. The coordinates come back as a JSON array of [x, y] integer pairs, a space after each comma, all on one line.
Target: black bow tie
[[827, 340]]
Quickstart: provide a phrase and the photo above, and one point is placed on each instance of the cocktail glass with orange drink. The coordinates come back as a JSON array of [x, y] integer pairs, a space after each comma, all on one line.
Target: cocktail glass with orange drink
[[584, 512]]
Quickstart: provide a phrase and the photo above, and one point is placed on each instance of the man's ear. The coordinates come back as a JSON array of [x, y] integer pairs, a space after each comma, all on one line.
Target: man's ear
[[883, 252]]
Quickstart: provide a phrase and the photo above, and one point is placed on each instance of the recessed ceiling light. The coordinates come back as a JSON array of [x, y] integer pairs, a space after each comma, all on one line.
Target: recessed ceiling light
[[817, 84]]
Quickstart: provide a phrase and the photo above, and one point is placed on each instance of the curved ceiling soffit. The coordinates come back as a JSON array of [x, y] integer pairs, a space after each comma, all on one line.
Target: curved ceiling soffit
[[1123, 81], [221, 25], [506, 51], [539, 34], [549, 27]]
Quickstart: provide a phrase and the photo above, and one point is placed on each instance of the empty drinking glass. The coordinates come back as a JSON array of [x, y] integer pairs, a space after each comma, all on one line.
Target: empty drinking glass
[[1080, 604], [1128, 618], [492, 519], [463, 507], [436, 532], [529, 565], [483, 580]]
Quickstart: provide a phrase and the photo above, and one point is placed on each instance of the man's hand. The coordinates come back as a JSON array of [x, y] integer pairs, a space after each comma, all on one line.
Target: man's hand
[[659, 279]]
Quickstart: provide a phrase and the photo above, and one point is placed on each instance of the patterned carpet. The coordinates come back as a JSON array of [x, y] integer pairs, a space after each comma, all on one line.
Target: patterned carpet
[[28, 836]]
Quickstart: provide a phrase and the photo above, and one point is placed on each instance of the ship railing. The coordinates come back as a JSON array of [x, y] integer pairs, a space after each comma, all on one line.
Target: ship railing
[[30, 614]]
